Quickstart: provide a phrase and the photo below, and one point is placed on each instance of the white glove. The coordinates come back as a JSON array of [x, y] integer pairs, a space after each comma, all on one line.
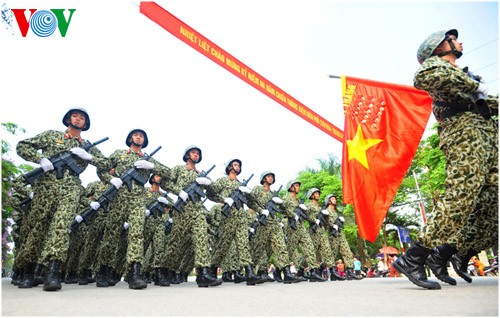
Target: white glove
[[229, 201], [147, 213], [78, 218], [482, 89], [144, 164], [281, 224], [341, 218], [325, 212], [80, 152], [117, 182], [245, 189], [170, 220], [203, 181], [265, 212], [162, 200], [46, 165], [183, 195], [336, 227], [252, 230], [32, 194], [125, 225], [303, 207], [277, 200], [172, 196], [95, 205], [317, 221], [296, 217]]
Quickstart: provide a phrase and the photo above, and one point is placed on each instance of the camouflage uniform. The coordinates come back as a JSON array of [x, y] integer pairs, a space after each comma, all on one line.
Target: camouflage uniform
[[56, 200], [470, 145], [233, 229], [339, 243], [154, 233], [190, 224], [319, 238]]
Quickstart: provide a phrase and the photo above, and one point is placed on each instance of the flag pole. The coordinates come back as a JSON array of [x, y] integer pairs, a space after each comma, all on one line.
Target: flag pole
[[421, 204], [400, 241]]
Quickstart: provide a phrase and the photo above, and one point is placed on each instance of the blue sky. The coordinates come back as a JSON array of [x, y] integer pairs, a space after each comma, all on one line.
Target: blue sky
[[128, 72]]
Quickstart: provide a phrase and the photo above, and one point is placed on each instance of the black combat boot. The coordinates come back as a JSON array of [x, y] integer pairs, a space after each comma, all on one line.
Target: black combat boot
[[203, 277], [101, 279], [82, 277], [52, 281], [412, 266], [238, 277], [460, 263], [265, 275], [253, 279], [288, 276], [227, 277], [315, 276], [438, 261], [39, 275], [112, 276], [161, 278], [301, 275], [71, 278], [184, 276], [26, 280], [334, 274], [16, 278], [135, 277], [213, 272], [277, 275], [90, 276], [349, 272]]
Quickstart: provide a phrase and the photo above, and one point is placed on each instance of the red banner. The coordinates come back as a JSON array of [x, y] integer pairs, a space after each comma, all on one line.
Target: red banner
[[206, 47], [384, 124]]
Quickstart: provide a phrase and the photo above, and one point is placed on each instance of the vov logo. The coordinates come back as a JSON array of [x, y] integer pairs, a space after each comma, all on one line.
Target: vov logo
[[43, 23]]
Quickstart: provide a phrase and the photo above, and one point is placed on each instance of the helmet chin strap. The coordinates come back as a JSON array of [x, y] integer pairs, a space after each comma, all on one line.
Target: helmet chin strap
[[76, 127], [453, 50], [136, 144]]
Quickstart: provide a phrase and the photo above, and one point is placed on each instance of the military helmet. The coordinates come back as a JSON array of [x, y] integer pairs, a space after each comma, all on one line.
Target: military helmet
[[311, 191], [128, 141], [431, 43], [290, 183], [230, 162], [265, 173], [328, 197], [188, 149], [151, 178], [81, 110]]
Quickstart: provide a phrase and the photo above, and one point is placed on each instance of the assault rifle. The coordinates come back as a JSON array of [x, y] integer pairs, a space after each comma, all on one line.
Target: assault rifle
[[156, 208], [338, 222], [238, 197], [168, 226], [133, 174], [298, 211], [271, 207], [195, 192], [478, 98], [321, 217], [25, 204], [108, 195], [61, 161]]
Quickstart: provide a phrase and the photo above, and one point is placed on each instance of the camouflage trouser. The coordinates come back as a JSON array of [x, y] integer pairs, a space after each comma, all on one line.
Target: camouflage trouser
[[468, 213], [159, 242], [322, 247], [340, 242], [76, 242], [233, 231], [189, 226], [270, 237], [230, 262], [299, 239], [95, 232], [126, 207], [53, 209]]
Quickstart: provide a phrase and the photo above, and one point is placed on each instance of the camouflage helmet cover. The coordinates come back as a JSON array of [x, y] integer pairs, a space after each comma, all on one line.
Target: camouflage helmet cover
[[264, 174], [230, 162], [81, 110], [311, 191], [327, 198], [290, 183], [188, 149], [430, 44], [128, 141]]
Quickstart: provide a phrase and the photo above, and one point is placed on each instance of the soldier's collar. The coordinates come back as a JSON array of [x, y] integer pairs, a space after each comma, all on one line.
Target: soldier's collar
[[139, 153]]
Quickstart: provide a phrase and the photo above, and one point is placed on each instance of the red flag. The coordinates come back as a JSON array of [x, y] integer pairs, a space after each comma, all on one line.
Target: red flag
[[384, 124]]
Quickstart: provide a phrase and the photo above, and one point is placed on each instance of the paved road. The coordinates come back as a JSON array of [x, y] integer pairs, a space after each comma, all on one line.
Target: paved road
[[395, 297]]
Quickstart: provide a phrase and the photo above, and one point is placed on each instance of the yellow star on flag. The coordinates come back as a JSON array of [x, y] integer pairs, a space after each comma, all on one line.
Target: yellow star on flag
[[358, 146]]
